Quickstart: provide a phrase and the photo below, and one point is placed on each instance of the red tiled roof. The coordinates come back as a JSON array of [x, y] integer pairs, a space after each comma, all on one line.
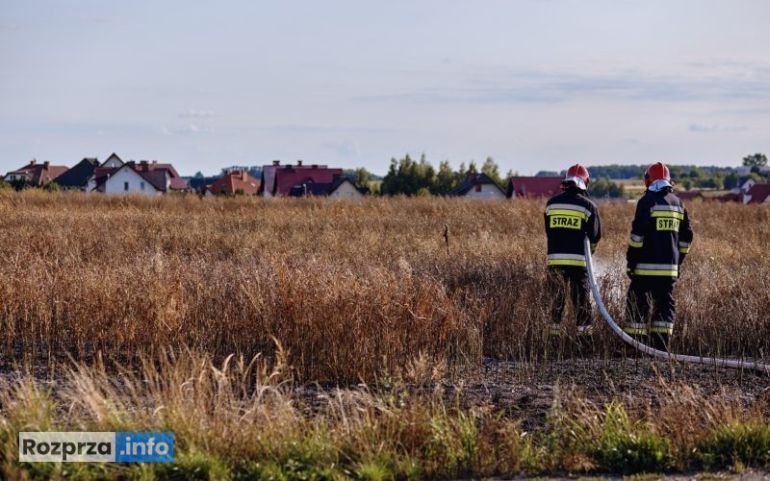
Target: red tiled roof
[[534, 186], [145, 167], [287, 176], [233, 182], [101, 174], [759, 193], [40, 173], [153, 172]]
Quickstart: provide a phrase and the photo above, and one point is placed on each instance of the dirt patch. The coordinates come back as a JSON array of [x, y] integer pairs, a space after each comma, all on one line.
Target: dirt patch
[[528, 391]]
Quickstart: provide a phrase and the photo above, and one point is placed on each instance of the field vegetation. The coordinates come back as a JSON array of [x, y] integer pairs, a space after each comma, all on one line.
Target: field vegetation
[[215, 318]]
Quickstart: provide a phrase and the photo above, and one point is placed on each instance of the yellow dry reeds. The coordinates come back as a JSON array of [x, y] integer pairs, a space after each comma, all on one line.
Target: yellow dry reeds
[[352, 290]]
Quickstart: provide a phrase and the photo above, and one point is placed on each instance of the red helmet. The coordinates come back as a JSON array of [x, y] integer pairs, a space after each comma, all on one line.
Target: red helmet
[[578, 175], [657, 174]]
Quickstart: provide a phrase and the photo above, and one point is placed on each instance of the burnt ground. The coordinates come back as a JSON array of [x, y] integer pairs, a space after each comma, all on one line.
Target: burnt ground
[[527, 390]]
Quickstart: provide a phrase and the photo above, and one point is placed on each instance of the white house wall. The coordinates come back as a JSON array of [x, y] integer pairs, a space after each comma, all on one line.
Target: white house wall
[[346, 190], [487, 192], [112, 163], [136, 184]]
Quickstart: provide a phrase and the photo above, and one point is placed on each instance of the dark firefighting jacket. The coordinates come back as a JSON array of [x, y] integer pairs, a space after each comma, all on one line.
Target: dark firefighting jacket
[[569, 218], [660, 235]]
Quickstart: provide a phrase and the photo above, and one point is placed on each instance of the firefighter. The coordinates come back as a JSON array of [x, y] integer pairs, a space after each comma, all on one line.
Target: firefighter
[[569, 217], [660, 239]]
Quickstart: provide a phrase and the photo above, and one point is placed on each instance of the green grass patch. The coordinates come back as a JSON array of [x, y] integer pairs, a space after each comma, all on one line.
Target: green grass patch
[[736, 446], [630, 447]]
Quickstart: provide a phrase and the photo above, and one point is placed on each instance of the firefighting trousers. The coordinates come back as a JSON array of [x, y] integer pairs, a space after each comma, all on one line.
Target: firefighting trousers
[[646, 294], [572, 279]]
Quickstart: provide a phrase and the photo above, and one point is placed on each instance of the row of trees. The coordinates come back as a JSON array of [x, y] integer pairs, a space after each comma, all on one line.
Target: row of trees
[[408, 176], [687, 176]]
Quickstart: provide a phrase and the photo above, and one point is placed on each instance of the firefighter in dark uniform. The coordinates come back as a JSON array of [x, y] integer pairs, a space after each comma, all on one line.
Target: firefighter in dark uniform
[[660, 239], [569, 217]]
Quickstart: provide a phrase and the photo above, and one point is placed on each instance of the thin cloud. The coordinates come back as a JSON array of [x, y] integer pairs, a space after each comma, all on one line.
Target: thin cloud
[[189, 129], [324, 129], [701, 129], [196, 114], [519, 87], [346, 148]]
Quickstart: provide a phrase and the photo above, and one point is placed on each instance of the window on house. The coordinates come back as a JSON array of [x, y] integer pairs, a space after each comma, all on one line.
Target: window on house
[[141, 185], [478, 187], [125, 186]]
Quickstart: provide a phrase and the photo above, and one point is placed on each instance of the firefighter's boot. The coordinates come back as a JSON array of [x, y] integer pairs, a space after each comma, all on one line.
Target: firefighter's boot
[[585, 339]]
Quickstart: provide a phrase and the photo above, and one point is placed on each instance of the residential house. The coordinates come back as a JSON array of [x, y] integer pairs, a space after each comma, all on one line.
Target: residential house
[[234, 182], [478, 186], [102, 172], [35, 174], [113, 162], [278, 180], [99, 177], [148, 178], [758, 194], [342, 188], [743, 185], [533, 187], [77, 177]]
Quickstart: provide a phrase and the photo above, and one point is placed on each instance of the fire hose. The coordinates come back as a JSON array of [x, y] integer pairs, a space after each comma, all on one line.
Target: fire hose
[[639, 346]]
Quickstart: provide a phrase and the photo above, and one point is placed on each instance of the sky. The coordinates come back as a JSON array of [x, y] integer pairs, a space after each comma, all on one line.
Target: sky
[[535, 84]]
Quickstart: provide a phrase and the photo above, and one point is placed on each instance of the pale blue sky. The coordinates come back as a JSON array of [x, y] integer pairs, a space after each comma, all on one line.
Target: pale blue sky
[[536, 84]]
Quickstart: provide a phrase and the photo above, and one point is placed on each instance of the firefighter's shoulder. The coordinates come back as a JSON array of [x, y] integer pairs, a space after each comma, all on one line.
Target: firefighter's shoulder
[[674, 199], [559, 198], [646, 201], [586, 202]]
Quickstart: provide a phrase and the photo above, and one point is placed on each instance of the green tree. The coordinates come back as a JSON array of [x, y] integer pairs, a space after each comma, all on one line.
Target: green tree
[[362, 177], [603, 187], [405, 176], [731, 180], [755, 161], [445, 179], [491, 169]]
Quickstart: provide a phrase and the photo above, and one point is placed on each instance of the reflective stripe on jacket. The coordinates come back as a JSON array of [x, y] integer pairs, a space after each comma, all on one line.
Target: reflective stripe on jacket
[[569, 217], [661, 235]]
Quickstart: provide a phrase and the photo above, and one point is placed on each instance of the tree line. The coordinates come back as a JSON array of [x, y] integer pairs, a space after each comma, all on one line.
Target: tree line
[[407, 176], [411, 177]]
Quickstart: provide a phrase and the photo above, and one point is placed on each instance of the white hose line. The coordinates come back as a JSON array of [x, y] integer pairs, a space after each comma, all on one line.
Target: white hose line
[[712, 361]]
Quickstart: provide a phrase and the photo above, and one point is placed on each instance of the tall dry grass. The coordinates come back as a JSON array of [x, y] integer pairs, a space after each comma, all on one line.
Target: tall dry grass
[[353, 291], [242, 420]]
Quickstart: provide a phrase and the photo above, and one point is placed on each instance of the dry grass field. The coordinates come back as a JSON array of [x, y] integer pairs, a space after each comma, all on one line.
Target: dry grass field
[[384, 339]]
